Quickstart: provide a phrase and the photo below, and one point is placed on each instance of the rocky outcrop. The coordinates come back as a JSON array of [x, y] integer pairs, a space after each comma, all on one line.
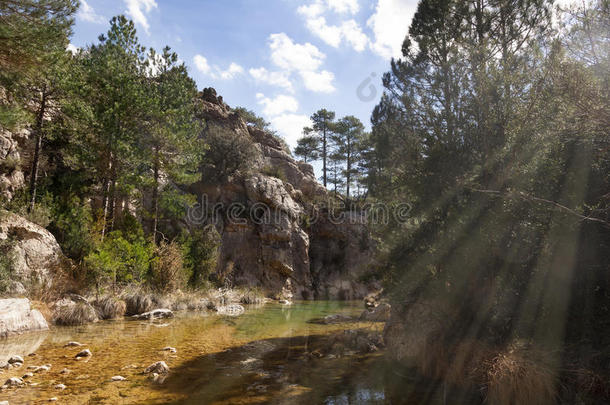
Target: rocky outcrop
[[11, 176], [17, 316], [35, 253], [281, 240]]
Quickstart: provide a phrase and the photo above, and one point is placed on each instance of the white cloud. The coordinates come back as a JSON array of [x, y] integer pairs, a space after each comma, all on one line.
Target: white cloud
[[279, 79], [353, 34], [87, 13], [290, 126], [390, 24], [333, 35], [233, 70], [290, 56], [137, 10], [72, 48], [202, 64], [319, 82], [344, 6], [278, 105]]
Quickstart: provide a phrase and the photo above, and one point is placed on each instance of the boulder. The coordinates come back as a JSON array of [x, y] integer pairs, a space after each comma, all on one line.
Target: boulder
[[14, 382], [161, 313], [17, 316], [380, 313], [159, 367], [36, 254]]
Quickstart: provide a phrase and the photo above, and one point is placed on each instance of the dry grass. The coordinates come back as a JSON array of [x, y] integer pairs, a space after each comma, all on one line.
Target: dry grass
[[520, 375], [138, 301], [79, 313], [110, 307]]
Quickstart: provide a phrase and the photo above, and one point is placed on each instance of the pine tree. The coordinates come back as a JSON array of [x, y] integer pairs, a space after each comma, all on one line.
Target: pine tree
[[308, 147], [322, 121], [347, 134]]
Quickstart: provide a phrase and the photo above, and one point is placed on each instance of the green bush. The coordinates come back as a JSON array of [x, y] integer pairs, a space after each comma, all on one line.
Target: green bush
[[201, 248], [72, 228], [6, 264], [120, 260], [274, 171]]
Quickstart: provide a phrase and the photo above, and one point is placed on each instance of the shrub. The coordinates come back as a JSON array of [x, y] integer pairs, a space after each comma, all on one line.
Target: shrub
[[274, 171], [110, 307], [201, 248], [251, 296], [120, 260], [79, 313], [6, 264], [228, 153], [167, 268], [72, 227]]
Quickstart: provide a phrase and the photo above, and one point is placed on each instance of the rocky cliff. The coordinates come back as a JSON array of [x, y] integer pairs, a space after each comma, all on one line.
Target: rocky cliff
[[283, 239]]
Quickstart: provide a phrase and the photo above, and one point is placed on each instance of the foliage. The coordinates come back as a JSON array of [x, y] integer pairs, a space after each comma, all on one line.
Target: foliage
[[6, 264], [228, 153], [201, 249], [167, 270], [120, 259]]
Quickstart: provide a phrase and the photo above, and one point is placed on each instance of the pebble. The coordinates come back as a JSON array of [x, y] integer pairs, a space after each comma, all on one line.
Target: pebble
[[170, 349], [53, 399], [27, 375], [73, 344], [60, 387], [118, 378], [65, 371], [13, 382], [15, 359], [84, 353]]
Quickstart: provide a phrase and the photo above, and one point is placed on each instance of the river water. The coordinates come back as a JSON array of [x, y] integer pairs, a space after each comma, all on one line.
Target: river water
[[271, 354]]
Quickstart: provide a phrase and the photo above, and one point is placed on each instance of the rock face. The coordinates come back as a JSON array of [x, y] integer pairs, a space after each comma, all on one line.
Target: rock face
[[283, 241], [36, 254], [16, 316], [11, 176]]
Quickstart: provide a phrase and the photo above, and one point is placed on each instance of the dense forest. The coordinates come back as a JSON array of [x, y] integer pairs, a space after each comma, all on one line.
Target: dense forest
[[494, 127]]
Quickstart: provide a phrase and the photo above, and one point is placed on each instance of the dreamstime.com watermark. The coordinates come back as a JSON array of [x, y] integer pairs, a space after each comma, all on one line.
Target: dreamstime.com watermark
[[259, 213]]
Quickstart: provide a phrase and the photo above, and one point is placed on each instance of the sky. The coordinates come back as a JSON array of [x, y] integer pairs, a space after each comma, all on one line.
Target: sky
[[283, 59]]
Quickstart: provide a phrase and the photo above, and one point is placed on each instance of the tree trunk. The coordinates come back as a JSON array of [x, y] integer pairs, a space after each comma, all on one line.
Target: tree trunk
[[37, 147], [324, 154], [155, 196]]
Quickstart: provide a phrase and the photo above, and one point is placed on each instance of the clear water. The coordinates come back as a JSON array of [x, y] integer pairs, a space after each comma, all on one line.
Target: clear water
[[263, 356]]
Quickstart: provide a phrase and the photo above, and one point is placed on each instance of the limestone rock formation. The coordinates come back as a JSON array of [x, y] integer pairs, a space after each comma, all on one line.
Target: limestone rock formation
[[17, 316], [35, 252], [11, 176], [281, 239]]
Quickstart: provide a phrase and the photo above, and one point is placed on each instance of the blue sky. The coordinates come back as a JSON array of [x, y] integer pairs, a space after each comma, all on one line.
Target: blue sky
[[284, 59]]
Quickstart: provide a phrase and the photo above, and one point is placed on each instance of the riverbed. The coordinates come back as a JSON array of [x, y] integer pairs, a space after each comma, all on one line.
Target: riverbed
[[271, 354]]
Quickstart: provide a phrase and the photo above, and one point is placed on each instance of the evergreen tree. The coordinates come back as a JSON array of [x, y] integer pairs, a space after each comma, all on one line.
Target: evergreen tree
[[322, 122], [347, 135], [308, 148]]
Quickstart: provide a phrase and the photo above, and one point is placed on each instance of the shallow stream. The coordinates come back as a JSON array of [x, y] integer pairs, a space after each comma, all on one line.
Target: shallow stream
[[271, 354]]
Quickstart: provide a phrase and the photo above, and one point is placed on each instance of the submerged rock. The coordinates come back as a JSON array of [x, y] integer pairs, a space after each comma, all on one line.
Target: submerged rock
[[332, 319], [60, 387], [159, 367], [118, 378], [15, 359], [17, 316], [14, 382], [160, 313], [73, 344], [84, 353], [380, 313], [231, 310], [169, 349]]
